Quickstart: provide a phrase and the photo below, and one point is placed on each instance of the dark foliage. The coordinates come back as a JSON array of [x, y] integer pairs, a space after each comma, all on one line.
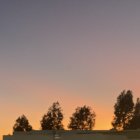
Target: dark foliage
[[82, 119], [123, 110], [22, 124], [135, 122], [53, 119]]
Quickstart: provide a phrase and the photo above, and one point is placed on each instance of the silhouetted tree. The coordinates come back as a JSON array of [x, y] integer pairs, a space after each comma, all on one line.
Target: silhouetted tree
[[53, 119], [22, 124], [82, 119], [123, 110], [135, 121]]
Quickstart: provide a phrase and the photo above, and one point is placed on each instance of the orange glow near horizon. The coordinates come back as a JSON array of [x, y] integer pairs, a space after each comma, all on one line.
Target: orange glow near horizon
[[104, 115], [76, 52]]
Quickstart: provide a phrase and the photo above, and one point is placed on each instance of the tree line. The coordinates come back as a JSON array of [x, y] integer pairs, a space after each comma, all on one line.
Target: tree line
[[126, 116]]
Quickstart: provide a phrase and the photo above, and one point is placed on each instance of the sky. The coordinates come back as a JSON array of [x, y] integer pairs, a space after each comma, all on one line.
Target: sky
[[82, 52]]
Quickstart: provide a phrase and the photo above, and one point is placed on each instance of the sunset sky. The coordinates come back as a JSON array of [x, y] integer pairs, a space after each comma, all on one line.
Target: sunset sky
[[77, 52]]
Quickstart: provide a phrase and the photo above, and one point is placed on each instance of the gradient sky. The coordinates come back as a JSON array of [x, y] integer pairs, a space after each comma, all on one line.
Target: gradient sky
[[76, 52]]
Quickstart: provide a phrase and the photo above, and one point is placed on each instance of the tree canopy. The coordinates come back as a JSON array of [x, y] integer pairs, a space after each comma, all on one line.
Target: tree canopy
[[123, 110], [22, 124], [126, 116], [135, 121], [53, 119], [82, 119]]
